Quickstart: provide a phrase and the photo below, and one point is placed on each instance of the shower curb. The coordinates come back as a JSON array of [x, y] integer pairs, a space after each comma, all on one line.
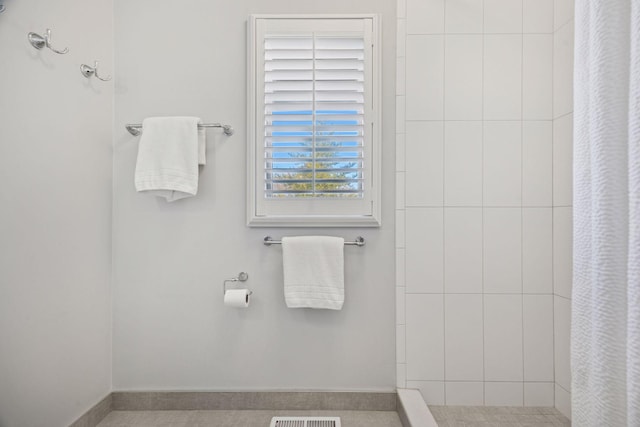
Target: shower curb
[[412, 409]]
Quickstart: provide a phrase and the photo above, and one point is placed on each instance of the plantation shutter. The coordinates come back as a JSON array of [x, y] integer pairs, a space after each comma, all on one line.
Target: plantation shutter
[[313, 146], [314, 115]]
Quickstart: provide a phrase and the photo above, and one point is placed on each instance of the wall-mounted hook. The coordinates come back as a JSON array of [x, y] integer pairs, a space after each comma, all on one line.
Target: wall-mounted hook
[[39, 42], [89, 71]]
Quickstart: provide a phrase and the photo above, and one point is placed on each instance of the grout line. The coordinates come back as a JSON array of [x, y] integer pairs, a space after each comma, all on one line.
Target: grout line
[[445, 33], [522, 104], [563, 115], [487, 293], [483, 206], [482, 236], [553, 140], [444, 98]]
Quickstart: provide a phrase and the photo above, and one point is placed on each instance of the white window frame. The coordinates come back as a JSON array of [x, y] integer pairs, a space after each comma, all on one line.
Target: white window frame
[[314, 212]]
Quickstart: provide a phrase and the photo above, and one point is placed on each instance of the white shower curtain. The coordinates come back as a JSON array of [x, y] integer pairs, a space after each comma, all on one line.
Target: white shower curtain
[[605, 342]]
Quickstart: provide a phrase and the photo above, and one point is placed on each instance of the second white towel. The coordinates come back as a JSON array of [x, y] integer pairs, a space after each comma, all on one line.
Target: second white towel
[[313, 271]]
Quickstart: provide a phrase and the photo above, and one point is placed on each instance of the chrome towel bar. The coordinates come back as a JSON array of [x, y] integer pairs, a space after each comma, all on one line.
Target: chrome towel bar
[[136, 129], [268, 241]]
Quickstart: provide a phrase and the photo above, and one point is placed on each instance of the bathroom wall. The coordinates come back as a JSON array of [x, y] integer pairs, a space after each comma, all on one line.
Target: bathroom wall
[[55, 222], [562, 196], [475, 190], [171, 330]]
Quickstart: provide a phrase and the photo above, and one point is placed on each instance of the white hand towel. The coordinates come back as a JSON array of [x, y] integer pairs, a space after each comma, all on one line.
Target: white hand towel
[[313, 271], [170, 150]]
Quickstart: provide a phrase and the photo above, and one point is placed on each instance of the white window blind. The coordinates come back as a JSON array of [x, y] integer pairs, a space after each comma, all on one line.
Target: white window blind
[[313, 127], [314, 116]]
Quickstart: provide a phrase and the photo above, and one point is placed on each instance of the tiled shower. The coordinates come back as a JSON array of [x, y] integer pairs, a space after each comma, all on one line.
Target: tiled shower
[[483, 201], [103, 290]]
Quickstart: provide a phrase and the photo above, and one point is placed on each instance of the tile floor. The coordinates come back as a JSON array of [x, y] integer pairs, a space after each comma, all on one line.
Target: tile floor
[[241, 418], [497, 416]]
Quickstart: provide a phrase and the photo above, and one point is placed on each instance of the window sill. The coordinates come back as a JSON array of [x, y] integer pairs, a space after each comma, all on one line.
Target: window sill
[[314, 221]]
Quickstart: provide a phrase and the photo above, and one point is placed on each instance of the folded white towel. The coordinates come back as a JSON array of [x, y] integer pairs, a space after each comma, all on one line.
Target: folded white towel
[[170, 150], [313, 271]]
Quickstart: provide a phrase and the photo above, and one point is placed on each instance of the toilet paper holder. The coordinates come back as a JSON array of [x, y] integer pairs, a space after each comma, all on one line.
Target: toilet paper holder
[[242, 277]]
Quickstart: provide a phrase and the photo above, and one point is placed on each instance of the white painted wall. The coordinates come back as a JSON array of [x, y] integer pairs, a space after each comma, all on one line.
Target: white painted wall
[[55, 220], [171, 330], [474, 201], [562, 197]]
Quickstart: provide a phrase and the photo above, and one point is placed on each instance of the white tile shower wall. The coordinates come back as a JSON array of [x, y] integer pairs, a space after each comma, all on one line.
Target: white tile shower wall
[[476, 145], [563, 45]]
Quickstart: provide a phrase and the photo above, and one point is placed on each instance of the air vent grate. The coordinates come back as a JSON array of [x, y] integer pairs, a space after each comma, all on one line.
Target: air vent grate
[[305, 422]]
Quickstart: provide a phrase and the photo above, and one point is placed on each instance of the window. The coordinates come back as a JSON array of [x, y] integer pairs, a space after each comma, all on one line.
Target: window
[[313, 114]]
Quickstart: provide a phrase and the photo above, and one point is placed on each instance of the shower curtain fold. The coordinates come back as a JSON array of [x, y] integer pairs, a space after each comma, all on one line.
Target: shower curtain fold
[[605, 341]]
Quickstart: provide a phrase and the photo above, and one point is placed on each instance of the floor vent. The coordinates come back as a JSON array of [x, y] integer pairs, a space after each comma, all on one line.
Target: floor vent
[[305, 422]]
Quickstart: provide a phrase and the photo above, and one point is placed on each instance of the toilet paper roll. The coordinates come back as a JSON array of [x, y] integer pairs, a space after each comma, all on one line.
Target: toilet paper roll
[[238, 298]]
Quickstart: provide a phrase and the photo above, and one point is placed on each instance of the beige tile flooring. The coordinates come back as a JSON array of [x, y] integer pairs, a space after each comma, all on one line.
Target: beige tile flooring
[[497, 416], [244, 418]]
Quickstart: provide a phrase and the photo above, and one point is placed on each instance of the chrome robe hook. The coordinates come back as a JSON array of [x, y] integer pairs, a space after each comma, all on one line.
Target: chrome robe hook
[[89, 71], [39, 42]]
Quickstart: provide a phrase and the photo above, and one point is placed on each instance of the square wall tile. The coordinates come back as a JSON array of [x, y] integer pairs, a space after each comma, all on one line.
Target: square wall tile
[[537, 250], [400, 76], [563, 12], [502, 76], [463, 250], [562, 333], [502, 164], [464, 393], [537, 16], [400, 306], [400, 267], [563, 70], [401, 109], [537, 77], [401, 8], [503, 338], [463, 77], [502, 16], [537, 155], [563, 161], [503, 394], [401, 375], [463, 337], [424, 251], [425, 16], [425, 78], [463, 163], [563, 401], [539, 394], [401, 38], [424, 163], [538, 337], [463, 17], [400, 228], [400, 184], [562, 251], [401, 343], [425, 337], [432, 391], [502, 250], [400, 151]]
